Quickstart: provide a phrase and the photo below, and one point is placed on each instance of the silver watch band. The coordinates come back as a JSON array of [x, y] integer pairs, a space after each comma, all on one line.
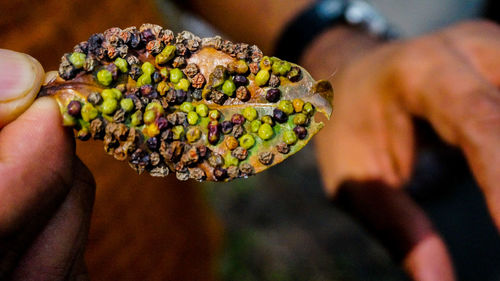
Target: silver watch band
[[359, 12], [323, 14]]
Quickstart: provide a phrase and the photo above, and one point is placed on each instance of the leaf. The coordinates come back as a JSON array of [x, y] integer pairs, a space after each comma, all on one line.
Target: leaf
[[115, 79]]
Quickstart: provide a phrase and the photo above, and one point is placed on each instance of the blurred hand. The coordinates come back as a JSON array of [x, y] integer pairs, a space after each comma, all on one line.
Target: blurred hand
[[450, 78], [46, 193]]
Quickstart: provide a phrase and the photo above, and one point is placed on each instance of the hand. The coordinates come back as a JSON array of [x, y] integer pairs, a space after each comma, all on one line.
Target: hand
[[450, 78], [46, 193]]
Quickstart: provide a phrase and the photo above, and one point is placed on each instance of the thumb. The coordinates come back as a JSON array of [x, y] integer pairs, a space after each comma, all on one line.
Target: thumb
[[20, 79]]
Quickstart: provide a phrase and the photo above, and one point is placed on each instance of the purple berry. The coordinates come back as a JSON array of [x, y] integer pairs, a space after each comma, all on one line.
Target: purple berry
[[146, 90], [74, 108], [144, 160], [213, 132], [238, 119], [227, 127], [153, 143], [95, 42], [180, 96], [134, 41], [220, 173], [301, 132], [135, 72], [136, 157], [156, 77], [147, 35], [279, 116], [273, 95], [240, 80], [162, 123]]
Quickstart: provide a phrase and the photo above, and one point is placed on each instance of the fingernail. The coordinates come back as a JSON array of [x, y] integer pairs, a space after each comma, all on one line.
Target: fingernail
[[20, 79], [19, 74]]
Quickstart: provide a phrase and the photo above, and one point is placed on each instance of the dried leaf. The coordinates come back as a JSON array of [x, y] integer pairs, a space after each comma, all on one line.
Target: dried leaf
[[143, 92]]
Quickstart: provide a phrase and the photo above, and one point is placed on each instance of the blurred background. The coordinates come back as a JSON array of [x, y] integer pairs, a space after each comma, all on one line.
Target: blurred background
[[274, 226]]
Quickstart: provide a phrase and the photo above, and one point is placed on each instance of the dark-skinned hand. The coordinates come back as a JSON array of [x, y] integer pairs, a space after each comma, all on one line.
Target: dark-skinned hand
[[451, 78], [46, 193]]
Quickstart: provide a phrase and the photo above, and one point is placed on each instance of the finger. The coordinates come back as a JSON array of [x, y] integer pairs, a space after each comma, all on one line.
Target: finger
[[429, 260], [461, 104], [479, 42], [472, 121], [401, 226], [370, 135], [20, 79], [400, 138], [36, 155], [56, 252]]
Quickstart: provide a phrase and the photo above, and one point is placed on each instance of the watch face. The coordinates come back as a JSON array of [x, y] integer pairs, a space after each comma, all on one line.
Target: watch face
[[362, 13], [330, 9]]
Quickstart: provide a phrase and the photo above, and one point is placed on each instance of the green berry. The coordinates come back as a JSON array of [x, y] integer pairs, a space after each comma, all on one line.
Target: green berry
[[127, 104], [255, 125], [176, 75], [274, 59], [214, 114], [183, 84], [88, 112], [144, 79], [247, 141], [265, 131], [83, 133], [167, 54], [77, 59], [281, 67], [148, 68], [68, 120], [250, 113], [109, 106], [193, 134], [187, 106], [228, 87], [149, 116], [104, 77], [286, 106], [122, 65], [156, 107], [192, 118], [111, 94], [107, 94], [202, 110], [265, 63], [300, 119], [230, 160], [289, 137], [308, 108], [262, 77], [178, 132], [136, 118], [239, 66], [118, 94], [161, 59], [267, 119]]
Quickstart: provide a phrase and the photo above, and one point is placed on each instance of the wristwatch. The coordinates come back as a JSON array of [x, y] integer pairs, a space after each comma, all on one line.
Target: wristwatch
[[323, 14]]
